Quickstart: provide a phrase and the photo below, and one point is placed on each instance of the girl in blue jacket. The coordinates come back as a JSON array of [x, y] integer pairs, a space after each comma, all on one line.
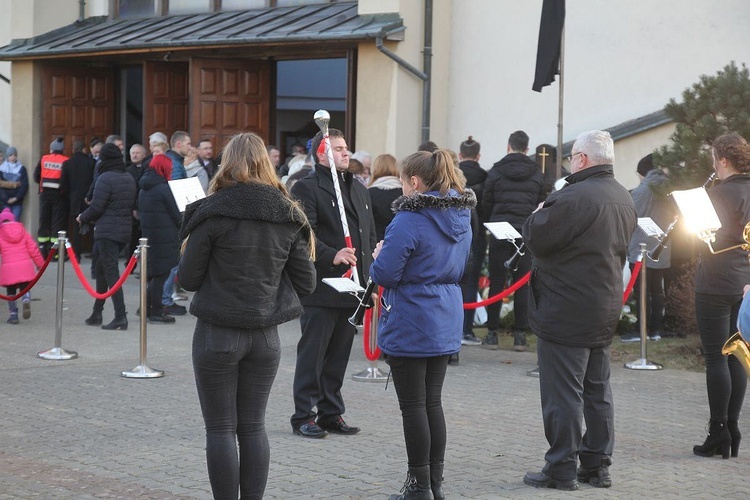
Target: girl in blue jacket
[[419, 264]]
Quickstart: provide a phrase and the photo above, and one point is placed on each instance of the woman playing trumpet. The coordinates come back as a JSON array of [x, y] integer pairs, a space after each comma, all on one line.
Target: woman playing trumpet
[[719, 280]]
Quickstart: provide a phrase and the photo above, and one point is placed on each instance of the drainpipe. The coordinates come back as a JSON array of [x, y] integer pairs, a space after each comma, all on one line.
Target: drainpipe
[[81, 8], [425, 75]]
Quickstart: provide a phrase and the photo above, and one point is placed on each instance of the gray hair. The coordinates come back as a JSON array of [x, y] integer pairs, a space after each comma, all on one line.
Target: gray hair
[[597, 145], [157, 137]]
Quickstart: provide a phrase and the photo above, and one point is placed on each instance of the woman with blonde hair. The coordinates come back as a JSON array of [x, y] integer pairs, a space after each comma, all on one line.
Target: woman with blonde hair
[[419, 264], [248, 256], [384, 188]]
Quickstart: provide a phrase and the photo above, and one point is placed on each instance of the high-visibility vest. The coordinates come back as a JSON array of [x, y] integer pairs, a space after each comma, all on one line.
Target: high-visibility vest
[[51, 170]]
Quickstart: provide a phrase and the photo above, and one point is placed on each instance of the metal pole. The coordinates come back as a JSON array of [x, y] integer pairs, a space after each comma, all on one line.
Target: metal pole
[[643, 363], [57, 353], [372, 373], [558, 159], [142, 370]]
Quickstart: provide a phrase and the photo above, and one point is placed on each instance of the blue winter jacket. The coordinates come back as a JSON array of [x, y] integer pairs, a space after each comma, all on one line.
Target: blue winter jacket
[[420, 265]]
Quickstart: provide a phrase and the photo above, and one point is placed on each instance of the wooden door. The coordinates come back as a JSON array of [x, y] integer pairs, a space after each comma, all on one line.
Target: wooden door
[[79, 104], [165, 96], [228, 96]]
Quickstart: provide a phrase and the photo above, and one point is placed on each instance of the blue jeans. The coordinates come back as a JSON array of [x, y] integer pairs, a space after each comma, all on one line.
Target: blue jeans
[[234, 371], [166, 296], [16, 210]]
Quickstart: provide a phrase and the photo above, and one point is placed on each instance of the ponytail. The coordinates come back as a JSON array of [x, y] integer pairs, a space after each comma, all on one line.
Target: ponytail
[[436, 170]]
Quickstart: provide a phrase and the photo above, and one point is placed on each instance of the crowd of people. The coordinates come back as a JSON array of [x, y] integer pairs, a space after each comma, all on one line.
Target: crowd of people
[[256, 249]]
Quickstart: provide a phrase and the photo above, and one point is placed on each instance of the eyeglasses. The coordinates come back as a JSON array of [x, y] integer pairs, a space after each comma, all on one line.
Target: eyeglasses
[[570, 158]]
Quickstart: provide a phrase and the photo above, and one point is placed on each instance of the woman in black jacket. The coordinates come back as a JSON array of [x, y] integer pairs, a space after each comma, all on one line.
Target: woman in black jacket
[[249, 256], [384, 188], [719, 280], [112, 210], [160, 220]]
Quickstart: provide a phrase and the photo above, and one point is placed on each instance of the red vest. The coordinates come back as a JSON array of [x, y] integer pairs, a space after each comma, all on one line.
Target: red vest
[[51, 170]]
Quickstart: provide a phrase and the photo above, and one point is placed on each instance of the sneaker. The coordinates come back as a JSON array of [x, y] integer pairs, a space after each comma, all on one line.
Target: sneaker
[[490, 341], [598, 478], [519, 341], [26, 308], [174, 310], [13, 318], [631, 337], [163, 319], [179, 296], [471, 339], [654, 336]]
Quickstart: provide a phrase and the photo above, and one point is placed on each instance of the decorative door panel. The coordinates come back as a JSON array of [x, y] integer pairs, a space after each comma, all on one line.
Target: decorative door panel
[[166, 98]]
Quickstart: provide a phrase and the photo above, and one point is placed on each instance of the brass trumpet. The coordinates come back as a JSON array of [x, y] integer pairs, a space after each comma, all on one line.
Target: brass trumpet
[[740, 348]]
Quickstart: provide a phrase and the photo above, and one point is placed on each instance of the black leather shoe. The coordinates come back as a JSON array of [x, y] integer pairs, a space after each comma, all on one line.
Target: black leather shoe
[[599, 477], [542, 480], [310, 430], [94, 320], [161, 318], [116, 324], [339, 427]]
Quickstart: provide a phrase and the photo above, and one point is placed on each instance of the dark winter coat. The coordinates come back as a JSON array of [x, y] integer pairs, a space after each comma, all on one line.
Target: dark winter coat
[[579, 241], [247, 257], [160, 221], [317, 195], [651, 200], [383, 193], [726, 273], [513, 189], [75, 182], [19, 192], [113, 202], [420, 266], [476, 176]]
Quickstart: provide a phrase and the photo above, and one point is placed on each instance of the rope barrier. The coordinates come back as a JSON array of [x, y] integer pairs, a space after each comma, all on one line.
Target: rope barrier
[[500, 296], [33, 282], [366, 331], [631, 283], [87, 286]]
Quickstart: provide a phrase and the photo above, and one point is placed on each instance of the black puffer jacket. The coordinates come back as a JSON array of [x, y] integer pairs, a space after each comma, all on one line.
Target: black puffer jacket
[[160, 219], [579, 241], [113, 202], [513, 189], [476, 176], [247, 256]]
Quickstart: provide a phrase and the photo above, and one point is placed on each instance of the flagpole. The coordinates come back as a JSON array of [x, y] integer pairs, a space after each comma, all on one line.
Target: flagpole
[[558, 158]]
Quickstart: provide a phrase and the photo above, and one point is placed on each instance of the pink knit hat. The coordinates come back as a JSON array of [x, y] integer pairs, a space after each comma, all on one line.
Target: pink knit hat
[[7, 216]]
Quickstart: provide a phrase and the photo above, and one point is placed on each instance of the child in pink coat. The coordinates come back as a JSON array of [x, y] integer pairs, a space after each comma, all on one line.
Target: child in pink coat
[[19, 255]]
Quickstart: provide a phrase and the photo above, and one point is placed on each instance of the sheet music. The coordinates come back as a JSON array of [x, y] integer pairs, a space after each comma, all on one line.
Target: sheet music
[[696, 208], [186, 191], [502, 230], [343, 285], [650, 227]]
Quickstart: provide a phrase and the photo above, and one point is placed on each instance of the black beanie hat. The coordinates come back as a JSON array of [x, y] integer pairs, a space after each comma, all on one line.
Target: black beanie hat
[[646, 165], [110, 152]]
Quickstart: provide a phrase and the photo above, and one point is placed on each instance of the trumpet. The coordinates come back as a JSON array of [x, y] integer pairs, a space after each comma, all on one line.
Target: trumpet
[[740, 348], [365, 302]]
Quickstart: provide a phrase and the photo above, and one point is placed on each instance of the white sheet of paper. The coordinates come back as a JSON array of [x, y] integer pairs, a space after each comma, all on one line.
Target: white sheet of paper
[[502, 230], [343, 285], [650, 227], [186, 191], [696, 208]]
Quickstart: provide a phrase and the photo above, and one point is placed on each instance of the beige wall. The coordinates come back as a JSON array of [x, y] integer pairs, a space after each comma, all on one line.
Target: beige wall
[[629, 151]]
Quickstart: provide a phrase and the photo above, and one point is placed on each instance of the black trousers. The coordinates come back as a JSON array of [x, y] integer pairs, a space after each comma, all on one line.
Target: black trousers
[[726, 380], [53, 215], [154, 290], [322, 357], [574, 386], [470, 279], [654, 299], [107, 275], [419, 387], [500, 252]]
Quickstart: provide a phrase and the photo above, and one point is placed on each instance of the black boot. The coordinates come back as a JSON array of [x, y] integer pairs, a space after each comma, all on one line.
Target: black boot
[[718, 441], [416, 486], [734, 431], [436, 480], [44, 249], [117, 324], [94, 320]]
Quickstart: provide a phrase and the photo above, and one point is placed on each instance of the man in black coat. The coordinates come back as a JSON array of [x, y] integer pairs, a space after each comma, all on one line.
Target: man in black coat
[[513, 189], [326, 342], [77, 174], [579, 239]]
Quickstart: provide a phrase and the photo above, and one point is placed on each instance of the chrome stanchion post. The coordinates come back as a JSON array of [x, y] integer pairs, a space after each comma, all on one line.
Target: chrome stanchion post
[[142, 370], [643, 363], [57, 353], [372, 373]]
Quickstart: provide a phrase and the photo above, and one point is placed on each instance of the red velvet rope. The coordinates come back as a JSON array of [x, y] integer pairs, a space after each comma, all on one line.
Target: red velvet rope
[[36, 278], [500, 296], [87, 286], [371, 356], [631, 283]]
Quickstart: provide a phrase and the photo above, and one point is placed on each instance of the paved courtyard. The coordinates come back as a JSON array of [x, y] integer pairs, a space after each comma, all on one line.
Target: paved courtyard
[[77, 429]]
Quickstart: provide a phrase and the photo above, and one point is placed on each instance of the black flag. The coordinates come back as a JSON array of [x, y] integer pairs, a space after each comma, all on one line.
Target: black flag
[[550, 39]]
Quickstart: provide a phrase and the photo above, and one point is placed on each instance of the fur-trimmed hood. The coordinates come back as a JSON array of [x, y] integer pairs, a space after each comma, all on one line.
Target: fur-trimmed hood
[[437, 208], [249, 201]]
